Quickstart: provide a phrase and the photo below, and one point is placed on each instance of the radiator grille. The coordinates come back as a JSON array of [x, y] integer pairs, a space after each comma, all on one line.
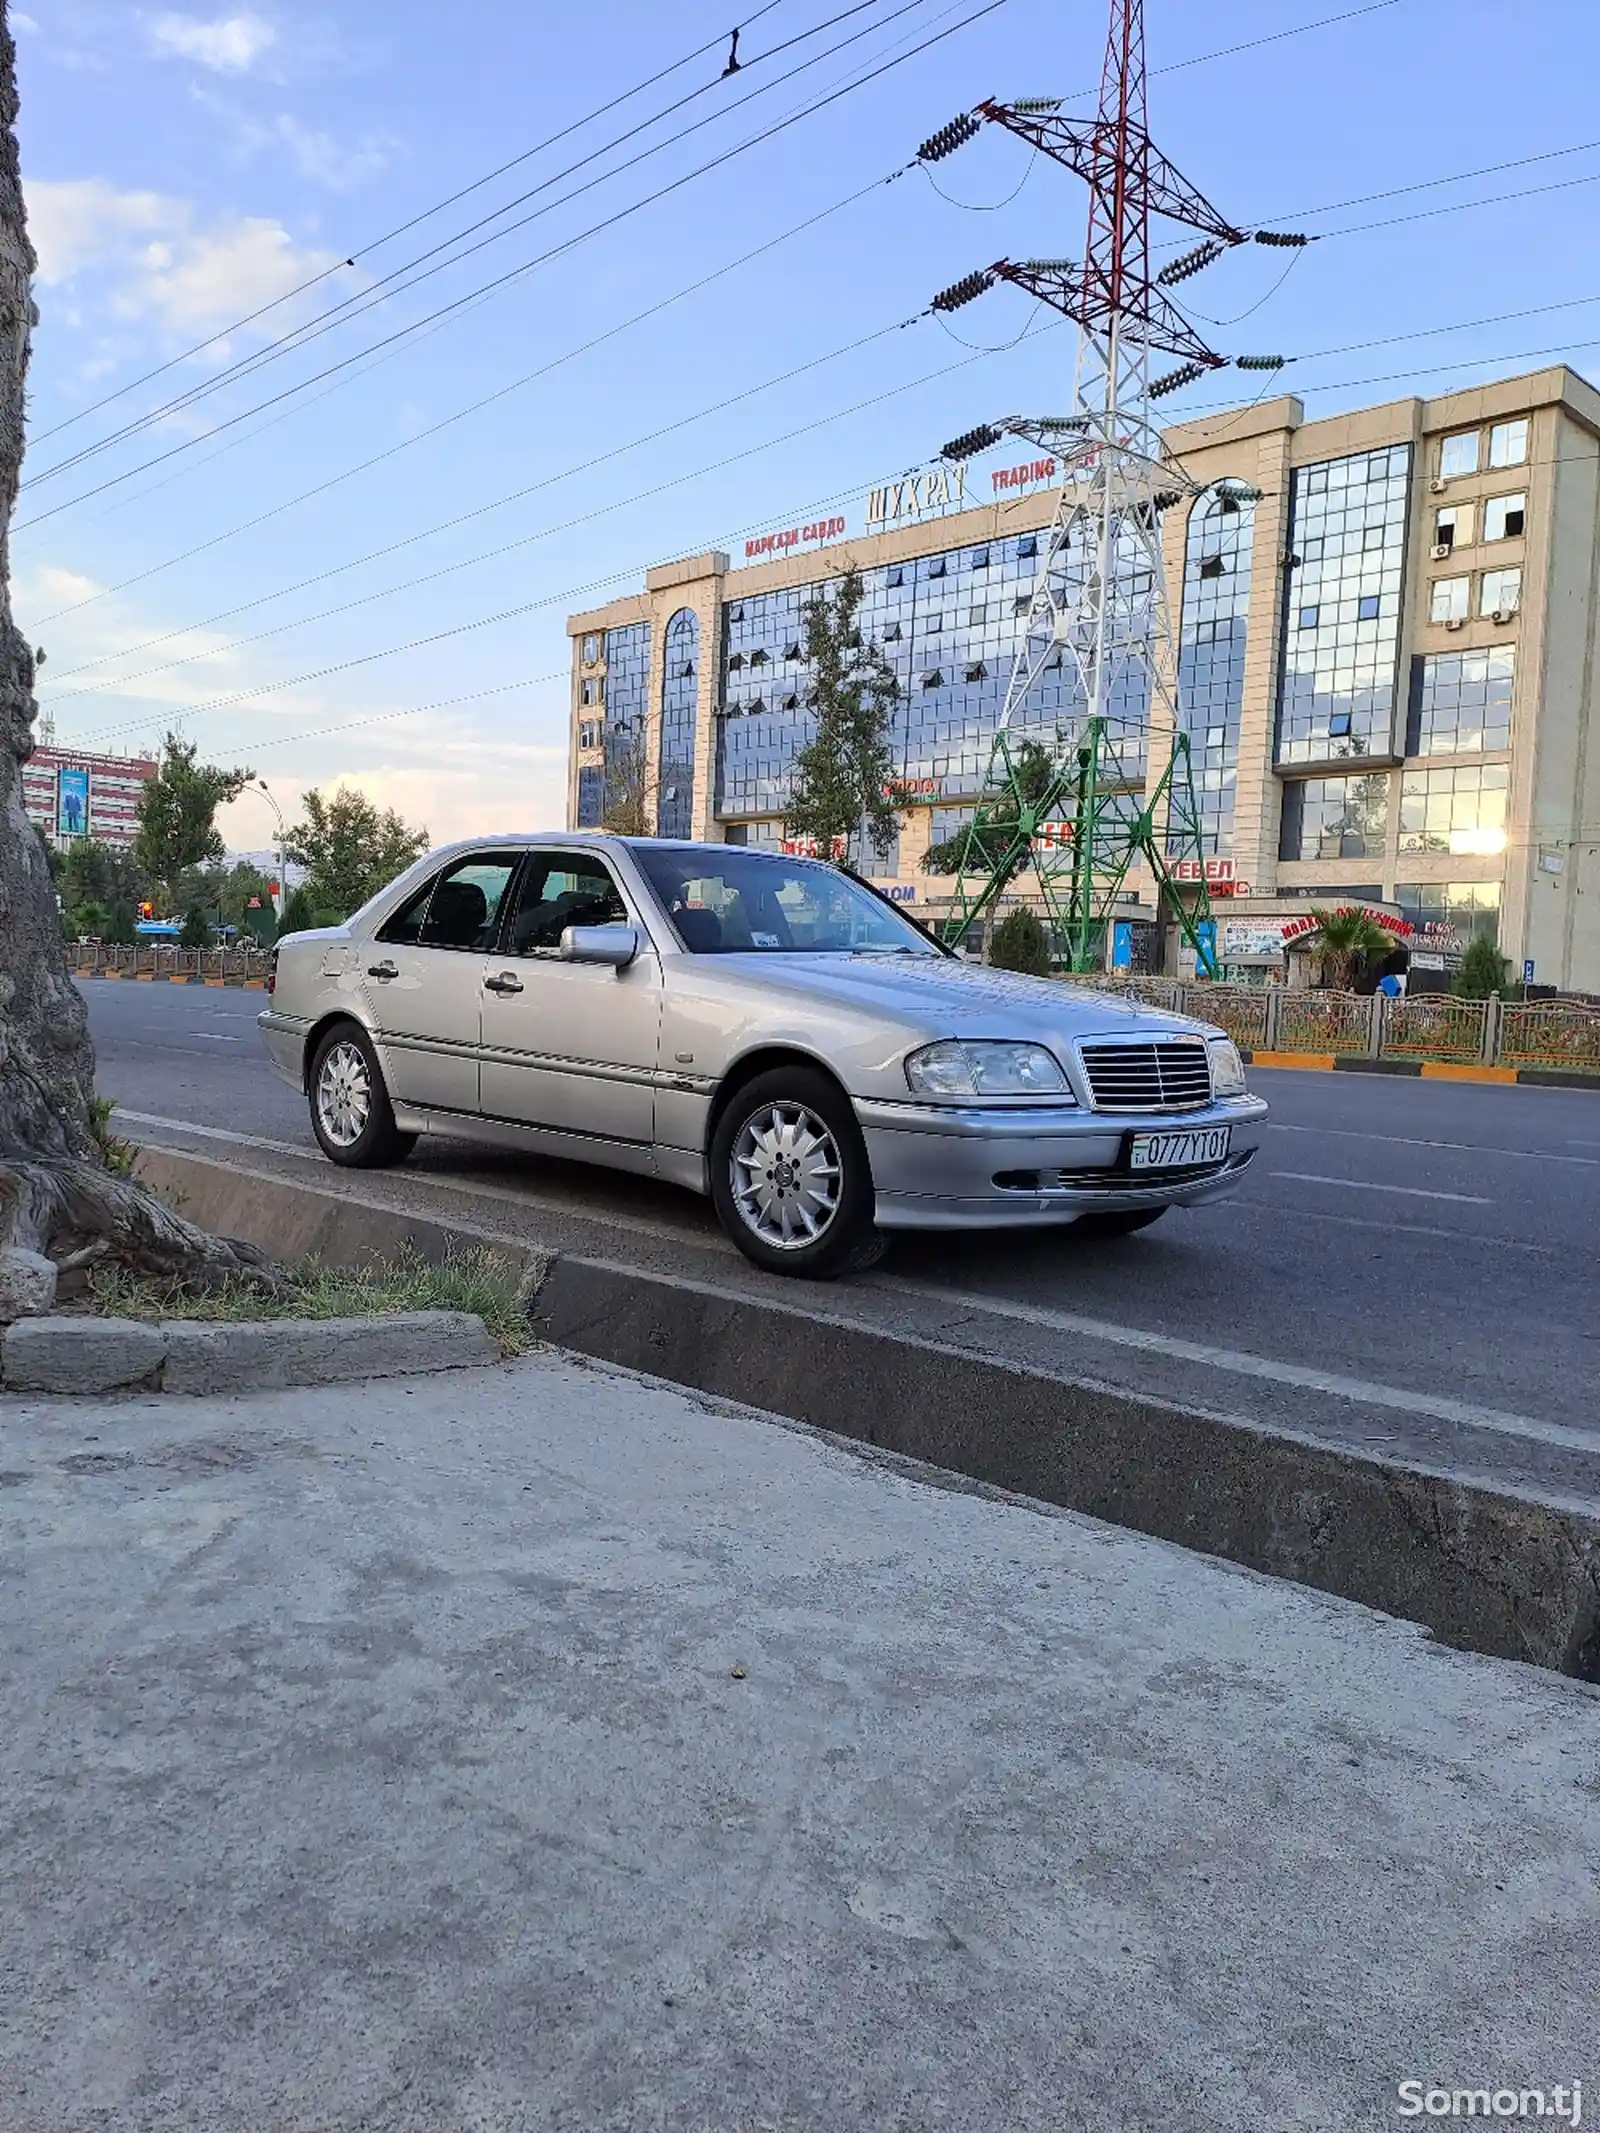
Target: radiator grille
[[1169, 1075]]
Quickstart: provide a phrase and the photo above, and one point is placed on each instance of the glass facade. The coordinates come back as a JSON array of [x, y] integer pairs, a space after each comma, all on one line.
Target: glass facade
[[626, 699], [1342, 614], [591, 796], [1446, 914], [1460, 810], [1216, 603], [680, 696], [951, 626], [1461, 701], [1334, 818]]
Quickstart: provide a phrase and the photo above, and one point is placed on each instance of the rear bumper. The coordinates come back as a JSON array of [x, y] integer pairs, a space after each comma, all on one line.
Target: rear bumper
[[285, 1039], [937, 1167]]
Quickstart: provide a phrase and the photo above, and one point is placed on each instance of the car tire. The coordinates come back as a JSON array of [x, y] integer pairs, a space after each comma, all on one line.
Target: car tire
[[351, 1115], [790, 1179], [1118, 1222]]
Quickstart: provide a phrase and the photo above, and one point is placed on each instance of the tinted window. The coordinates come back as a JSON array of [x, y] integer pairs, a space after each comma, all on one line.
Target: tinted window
[[561, 889], [732, 902], [459, 908]]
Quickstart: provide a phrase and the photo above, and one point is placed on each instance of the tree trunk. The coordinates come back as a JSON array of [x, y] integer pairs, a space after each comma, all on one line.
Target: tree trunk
[[56, 1195]]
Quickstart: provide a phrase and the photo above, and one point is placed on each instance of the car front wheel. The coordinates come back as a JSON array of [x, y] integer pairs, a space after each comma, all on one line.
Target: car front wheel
[[350, 1110], [789, 1176]]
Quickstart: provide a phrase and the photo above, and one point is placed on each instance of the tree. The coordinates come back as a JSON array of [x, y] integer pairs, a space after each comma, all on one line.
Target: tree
[[1483, 970], [349, 850], [178, 815], [1021, 943], [92, 872], [1345, 940], [57, 1196], [196, 931], [844, 781], [984, 846], [629, 803], [298, 916]]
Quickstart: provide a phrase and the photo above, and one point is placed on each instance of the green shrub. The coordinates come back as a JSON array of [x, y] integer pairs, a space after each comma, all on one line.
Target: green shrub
[[1483, 970], [1021, 943], [196, 929]]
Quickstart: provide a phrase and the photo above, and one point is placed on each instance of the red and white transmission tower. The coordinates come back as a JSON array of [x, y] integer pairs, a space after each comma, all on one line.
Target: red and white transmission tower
[[1081, 749]]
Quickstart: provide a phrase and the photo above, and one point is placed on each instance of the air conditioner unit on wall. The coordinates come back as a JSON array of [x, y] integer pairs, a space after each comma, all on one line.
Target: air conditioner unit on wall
[[1503, 615], [1456, 622], [1440, 550], [1438, 485]]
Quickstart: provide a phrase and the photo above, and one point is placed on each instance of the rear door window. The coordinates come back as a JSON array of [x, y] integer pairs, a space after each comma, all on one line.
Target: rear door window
[[459, 908]]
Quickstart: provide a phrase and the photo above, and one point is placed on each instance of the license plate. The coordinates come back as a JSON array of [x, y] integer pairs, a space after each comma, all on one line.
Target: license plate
[[1178, 1151]]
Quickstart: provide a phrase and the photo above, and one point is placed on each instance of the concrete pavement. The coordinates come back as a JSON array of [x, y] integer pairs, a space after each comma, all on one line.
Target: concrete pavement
[[545, 1749]]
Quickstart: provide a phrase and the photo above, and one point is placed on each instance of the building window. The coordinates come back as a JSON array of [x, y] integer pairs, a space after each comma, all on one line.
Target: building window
[[1500, 592], [892, 634], [589, 733], [1446, 914], [1022, 603], [1211, 653], [1212, 566], [980, 559], [938, 567], [1027, 548], [1505, 518], [1508, 443], [1461, 810], [735, 662], [1347, 534], [894, 579], [933, 626], [1458, 455], [1334, 818], [933, 679], [1450, 600], [1452, 527], [591, 650], [592, 690], [793, 651], [1462, 702], [977, 671], [680, 714], [736, 614], [977, 617]]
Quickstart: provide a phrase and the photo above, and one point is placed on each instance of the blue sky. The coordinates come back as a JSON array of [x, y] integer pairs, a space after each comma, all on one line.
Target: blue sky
[[186, 167]]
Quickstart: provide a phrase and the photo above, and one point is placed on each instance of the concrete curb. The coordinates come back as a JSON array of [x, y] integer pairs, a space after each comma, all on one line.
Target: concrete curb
[[1426, 1069], [168, 977], [99, 1355], [1490, 1569]]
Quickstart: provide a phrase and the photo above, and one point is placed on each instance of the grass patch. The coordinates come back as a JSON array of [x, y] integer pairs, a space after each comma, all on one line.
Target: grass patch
[[476, 1280], [117, 1154]]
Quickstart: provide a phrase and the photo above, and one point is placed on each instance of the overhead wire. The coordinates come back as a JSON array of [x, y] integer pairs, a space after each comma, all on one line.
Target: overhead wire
[[375, 243], [358, 304]]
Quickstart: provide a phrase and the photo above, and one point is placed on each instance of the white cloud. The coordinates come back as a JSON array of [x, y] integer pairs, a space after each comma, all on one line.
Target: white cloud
[[230, 45], [335, 164], [25, 23], [158, 261]]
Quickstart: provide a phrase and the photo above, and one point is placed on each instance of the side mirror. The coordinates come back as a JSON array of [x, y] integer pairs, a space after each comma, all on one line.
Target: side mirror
[[615, 945]]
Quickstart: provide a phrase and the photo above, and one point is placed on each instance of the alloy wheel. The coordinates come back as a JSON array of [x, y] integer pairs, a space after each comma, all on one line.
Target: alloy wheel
[[786, 1175], [344, 1094]]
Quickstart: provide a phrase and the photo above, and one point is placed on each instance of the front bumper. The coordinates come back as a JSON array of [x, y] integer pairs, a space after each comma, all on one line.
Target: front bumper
[[936, 1166]]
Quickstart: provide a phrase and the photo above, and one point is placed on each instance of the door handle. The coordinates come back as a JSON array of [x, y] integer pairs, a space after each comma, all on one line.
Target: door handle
[[504, 983], [383, 970]]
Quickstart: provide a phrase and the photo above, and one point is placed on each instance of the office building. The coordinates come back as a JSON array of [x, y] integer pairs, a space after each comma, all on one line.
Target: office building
[[1390, 660], [70, 794]]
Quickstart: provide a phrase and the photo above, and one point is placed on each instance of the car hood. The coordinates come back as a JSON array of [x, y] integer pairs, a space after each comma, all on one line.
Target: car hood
[[934, 995]]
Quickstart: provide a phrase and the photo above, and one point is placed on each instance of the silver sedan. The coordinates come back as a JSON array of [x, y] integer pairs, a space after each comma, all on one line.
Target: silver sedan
[[766, 1030]]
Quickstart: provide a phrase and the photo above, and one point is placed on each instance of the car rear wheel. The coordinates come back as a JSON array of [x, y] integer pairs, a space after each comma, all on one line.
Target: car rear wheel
[[1118, 1222], [350, 1110], [789, 1176]]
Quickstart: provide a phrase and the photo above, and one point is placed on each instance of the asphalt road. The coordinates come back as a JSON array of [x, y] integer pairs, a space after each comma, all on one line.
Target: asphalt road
[[1414, 1264]]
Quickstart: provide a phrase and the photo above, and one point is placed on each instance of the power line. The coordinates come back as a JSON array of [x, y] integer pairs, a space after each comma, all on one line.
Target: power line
[[376, 243], [499, 503], [391, 284]]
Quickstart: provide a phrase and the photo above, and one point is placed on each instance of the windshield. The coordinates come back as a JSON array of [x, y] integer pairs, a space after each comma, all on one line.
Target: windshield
[[738, 902]]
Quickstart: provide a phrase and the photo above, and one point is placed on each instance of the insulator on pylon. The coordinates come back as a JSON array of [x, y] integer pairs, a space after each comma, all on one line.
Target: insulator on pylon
[[1191, 262], [1166, 499], [1036, 106], [964, 291], [1049, 266], [1280, 237], [1259, 362], [1176, 380], [949, 138], [971, 442]]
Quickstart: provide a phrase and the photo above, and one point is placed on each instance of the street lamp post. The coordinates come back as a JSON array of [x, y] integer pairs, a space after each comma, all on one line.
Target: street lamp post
[[260, 785]]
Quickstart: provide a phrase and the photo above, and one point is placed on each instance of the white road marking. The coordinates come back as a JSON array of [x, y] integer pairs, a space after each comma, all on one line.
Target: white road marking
[[1270, 1211], [1412, 1192], [672, 1232], [1406, 1140], [1362, 1390], [211, 1036]]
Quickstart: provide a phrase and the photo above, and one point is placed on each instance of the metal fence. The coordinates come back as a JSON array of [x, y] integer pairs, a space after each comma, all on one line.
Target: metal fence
[[1273, 1018], [161, 959]]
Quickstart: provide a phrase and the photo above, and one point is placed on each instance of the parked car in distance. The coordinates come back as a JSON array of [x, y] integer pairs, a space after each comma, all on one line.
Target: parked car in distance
[[766, 1030]]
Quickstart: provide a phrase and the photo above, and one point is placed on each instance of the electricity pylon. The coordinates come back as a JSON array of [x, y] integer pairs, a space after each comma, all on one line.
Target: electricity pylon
[[1119, 785]]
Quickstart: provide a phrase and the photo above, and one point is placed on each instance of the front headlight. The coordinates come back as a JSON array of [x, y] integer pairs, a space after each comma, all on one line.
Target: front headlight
[[1227, 1068], [986, 1069]]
